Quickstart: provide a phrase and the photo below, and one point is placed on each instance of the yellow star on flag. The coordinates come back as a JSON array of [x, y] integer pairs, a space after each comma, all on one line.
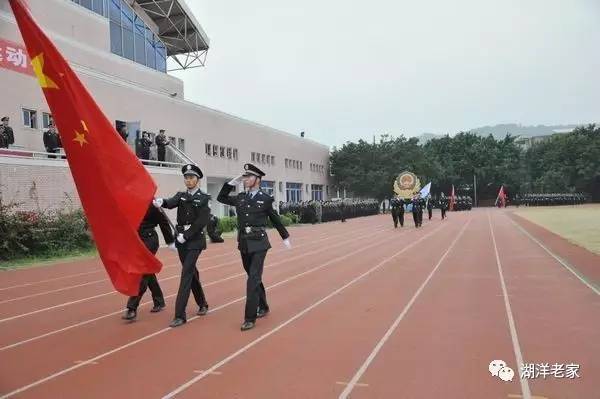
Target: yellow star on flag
[[38, 68], [80, 138]]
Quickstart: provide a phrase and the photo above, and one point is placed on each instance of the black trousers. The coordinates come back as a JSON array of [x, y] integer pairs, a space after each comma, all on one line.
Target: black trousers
[[418, 218], [256, 296], [190, 281], [443, 213], [430, 213], [401, 218], [160, 152], [148, 280], [395, 217]]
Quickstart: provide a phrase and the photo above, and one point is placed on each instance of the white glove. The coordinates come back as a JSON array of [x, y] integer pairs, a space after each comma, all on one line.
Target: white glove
[[287, 243], [157, 202], [234, 182], [180, 239], [172, 247]]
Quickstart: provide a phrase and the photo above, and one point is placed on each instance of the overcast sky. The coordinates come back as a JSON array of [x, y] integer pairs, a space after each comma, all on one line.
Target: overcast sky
[[342, 70]]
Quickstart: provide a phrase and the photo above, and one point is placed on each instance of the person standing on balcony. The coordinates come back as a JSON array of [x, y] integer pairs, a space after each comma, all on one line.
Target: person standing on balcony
[[161, 145], [123, 133], [51, 141], [10, 136]]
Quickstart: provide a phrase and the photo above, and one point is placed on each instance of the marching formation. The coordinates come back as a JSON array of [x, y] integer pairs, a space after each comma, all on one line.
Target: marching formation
[[327, 211], [549, 199]]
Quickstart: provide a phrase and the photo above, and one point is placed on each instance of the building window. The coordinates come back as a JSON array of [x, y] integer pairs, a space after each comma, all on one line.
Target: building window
[[268, 187], [181, 144], [273, 160], [96, 6], [235, 154], [46, 119], [131, 38], [207, 149], [263, 158], [229, 153], [280, 187], [253, 157], [293, 192], [30, 118], [317, 192], [215, 150]]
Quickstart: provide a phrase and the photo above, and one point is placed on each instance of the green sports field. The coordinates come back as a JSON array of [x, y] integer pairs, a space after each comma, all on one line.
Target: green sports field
[[578, 224]]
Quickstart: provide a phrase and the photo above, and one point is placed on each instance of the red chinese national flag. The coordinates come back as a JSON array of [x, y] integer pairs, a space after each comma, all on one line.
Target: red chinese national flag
[[501, 199], [114, 187]]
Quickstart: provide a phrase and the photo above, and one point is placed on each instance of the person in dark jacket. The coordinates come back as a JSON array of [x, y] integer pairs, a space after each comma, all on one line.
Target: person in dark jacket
[[161, 145], [51, 141], [193, 213], [253, 207], [147, 232], [8, 131]]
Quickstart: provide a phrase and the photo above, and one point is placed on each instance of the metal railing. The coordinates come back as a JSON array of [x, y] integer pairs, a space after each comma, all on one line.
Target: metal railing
[[60, 156]]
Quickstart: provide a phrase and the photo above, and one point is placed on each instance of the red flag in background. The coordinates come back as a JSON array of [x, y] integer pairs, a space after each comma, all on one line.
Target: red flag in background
[[501, 198], [452, 199], [114, 187]]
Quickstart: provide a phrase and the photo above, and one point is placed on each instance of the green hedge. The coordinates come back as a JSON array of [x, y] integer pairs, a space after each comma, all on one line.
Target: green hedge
[[41, 233], [227, 224]]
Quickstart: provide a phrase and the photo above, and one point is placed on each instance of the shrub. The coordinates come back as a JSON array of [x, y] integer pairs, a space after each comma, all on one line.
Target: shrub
[[227, 224], [41, 233]]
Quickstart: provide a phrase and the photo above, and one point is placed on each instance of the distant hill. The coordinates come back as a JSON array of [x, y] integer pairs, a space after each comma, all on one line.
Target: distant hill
[[499, 131]]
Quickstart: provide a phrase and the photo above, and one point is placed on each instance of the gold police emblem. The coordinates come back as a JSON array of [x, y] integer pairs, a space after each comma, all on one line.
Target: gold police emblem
[[407, 184]]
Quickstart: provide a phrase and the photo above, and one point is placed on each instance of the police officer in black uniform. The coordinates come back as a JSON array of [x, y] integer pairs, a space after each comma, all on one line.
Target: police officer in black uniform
[[429, 208], [147, 232], [417, 211], [8, 131], [192, 216], [394, 205], [253, 207]]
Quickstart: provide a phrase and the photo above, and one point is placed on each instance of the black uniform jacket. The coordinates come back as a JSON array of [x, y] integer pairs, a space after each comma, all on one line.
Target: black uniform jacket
[[193, 214], [252, 216]]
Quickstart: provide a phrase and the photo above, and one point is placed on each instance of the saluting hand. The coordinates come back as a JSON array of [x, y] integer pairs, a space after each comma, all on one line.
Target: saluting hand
[[234, 182]]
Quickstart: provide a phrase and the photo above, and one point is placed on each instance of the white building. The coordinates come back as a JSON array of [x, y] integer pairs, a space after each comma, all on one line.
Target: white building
[[119, 48]]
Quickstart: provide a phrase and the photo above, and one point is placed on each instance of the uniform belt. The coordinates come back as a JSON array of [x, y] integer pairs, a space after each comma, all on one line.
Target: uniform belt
[[184, 226]]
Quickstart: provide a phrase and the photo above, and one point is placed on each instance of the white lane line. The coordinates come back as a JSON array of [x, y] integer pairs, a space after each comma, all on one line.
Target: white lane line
[[358, 384], [101, 269], [244, 349], [50, 333], [205, 373], [363, 368], [61, 305], [564, 263], [511, 321]]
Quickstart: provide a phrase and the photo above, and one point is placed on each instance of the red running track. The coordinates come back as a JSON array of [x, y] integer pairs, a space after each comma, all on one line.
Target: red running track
[[358, 310]]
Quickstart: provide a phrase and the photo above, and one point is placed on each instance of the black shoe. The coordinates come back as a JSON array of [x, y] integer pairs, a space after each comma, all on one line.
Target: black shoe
[[157, 308], [247, 325], [177, 322], [203, 310], [262, 313], [130, 314]]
